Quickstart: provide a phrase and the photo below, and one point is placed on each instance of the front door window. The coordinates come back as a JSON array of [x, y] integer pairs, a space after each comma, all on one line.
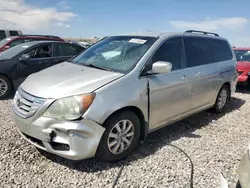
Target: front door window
[[43, 51]]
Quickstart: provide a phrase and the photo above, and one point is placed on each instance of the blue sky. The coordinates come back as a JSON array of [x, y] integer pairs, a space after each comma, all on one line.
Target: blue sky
[[88, 18]]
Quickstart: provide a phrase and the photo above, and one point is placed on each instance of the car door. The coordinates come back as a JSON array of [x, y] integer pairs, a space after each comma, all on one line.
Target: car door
[[170, 94], [40, 57], [65, 51], [199, 57]]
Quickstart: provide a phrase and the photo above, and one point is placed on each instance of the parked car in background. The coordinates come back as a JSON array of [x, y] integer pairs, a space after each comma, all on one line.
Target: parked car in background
[[243, 64], [22, 60], [9, 33], [112, 95], [13, 41], [73, 42], [84, 44], [244, 173]]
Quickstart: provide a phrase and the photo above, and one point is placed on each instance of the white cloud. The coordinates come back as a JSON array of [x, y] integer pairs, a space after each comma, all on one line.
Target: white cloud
[[16, 14], [64, 4], [235, 29], [62, 24], [212, 24]]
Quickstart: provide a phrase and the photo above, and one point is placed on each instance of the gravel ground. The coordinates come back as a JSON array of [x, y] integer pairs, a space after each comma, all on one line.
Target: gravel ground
[[215, 144]]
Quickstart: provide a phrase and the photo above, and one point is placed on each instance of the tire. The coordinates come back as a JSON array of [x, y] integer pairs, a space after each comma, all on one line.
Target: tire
[[107, 149], [218, 107], [5, 87], [238, 185], [248, 81]]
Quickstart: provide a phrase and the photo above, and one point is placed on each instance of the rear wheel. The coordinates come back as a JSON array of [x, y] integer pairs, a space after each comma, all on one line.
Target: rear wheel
[[120, 138], [222, 100], [5, 87]]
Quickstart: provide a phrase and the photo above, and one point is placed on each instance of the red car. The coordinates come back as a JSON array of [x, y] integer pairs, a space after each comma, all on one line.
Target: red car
[[243, 64], [16, 40]]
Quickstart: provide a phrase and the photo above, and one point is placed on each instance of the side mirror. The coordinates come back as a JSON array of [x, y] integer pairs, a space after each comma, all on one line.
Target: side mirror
[[24, 57], [161, 67]]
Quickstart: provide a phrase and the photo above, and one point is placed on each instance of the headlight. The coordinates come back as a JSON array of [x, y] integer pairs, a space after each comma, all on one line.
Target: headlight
[[244, 171], [70, 108]]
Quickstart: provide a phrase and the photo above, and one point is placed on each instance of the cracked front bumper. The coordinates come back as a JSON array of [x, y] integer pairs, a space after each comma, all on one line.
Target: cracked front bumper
[[75, 140]]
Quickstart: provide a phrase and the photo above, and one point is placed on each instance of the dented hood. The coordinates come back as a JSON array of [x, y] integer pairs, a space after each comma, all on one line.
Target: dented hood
[[67, 79]]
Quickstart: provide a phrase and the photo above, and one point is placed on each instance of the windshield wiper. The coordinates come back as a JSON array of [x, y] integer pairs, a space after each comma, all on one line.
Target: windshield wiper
[[98, 67]]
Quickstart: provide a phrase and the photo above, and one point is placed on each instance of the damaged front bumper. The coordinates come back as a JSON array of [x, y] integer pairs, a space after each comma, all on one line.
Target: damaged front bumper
[[75, 140]]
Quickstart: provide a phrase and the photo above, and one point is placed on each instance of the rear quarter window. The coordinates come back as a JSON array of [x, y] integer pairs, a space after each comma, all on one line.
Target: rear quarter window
[[221, 50], [78, 49]]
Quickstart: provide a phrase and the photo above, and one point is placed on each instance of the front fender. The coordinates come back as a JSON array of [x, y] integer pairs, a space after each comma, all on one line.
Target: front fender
[[116, 96]]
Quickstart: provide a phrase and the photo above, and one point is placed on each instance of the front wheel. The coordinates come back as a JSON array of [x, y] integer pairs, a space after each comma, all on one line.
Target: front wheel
[[222, 100], [120, 138], [5, 87]]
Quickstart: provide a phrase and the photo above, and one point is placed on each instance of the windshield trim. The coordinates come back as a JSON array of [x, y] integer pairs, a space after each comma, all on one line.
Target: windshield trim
[[113, 69]]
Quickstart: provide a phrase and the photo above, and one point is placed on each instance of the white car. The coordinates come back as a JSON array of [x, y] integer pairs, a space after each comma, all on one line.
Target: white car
[[84, 44]]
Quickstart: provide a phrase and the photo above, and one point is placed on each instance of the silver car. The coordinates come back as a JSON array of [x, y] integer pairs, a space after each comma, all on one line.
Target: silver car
[[108, 98]]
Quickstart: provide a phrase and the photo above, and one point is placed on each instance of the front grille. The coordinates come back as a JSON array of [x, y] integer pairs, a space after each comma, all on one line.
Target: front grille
[[34, 140], [59, 146], [26, 105]]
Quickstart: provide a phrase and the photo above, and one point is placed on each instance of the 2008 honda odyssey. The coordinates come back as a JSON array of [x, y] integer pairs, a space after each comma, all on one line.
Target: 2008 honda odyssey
[[106, 99]]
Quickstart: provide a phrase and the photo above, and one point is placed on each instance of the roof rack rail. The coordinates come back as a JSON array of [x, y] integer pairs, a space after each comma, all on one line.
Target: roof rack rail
[[203, 32], [50, 36]]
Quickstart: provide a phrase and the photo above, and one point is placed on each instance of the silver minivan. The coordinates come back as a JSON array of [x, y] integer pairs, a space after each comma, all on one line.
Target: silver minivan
[[108, 98]]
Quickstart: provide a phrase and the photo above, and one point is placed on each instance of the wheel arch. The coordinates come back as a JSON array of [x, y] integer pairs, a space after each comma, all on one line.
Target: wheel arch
[[138, 112]]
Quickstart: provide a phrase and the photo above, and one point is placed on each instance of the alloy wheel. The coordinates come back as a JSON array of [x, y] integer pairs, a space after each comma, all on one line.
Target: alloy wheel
[[3, 87], [222, 100], [121, 136]]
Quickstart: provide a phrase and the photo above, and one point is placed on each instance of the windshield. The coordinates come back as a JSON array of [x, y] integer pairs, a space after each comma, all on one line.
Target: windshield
[[119, 54], [242, 55], [12, 52]]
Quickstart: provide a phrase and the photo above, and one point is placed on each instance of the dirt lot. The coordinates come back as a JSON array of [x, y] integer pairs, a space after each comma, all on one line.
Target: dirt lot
[[214, 143]]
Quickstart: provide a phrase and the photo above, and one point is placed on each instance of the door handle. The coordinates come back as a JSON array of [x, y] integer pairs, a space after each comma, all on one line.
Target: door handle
[[198, 75], [184, 78]]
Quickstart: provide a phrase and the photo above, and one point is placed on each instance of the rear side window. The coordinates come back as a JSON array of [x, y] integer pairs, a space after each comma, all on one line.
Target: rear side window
[[2, 34], [66, 49], [14, 33], [221, 50], [198, 51], [77, 49]]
